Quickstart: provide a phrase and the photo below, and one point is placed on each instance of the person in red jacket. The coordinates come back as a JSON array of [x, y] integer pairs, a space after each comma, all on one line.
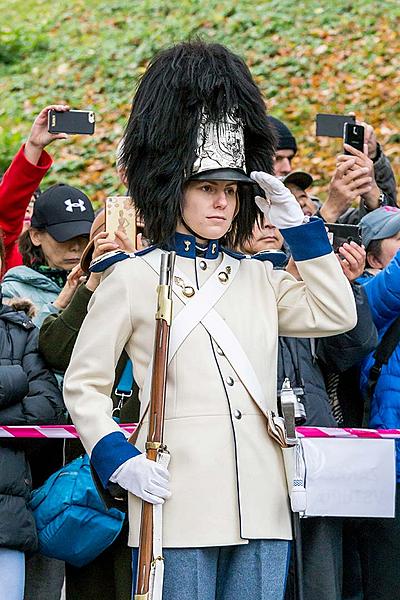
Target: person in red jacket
[[21, 180]]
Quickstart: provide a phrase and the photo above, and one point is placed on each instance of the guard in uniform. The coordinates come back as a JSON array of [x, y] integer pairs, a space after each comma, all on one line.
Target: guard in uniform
[[197, 129]]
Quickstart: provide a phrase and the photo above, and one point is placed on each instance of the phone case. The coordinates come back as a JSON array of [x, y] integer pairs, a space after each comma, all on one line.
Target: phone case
[[71, 121], [332, 125], [121, 216], [354, 136]]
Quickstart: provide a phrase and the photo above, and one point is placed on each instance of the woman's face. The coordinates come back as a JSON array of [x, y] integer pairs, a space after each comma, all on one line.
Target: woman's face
[[209, 208], [265, 237], [59, 255], [389, 248]]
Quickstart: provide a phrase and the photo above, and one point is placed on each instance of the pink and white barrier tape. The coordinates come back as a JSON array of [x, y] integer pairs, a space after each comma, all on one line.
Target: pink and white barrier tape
[[69, 431], [50, 431], [347, 432]]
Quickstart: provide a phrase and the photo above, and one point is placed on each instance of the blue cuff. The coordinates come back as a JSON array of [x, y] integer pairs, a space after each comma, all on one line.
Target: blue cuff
[[307, 241], [109, 453]]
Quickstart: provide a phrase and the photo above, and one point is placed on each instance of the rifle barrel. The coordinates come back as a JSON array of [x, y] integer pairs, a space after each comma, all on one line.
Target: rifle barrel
[[156, 414]]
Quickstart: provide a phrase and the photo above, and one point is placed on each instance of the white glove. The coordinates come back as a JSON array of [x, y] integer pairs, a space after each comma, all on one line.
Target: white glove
[[281, 207], [144, 478]]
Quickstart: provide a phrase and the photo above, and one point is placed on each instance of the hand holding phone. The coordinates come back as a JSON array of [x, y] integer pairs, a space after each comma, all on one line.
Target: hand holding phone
[[71, 122], [352, 260], [39, 136]]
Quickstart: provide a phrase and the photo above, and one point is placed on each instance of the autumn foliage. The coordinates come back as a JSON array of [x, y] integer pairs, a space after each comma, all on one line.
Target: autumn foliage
[[307, 56]]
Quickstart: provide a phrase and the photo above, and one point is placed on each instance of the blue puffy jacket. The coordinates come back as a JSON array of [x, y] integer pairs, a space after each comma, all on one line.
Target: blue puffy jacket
[[383, 292], [23, 282]]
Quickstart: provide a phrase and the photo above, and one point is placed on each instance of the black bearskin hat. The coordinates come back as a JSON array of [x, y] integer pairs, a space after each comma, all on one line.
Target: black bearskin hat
[[181, 85]]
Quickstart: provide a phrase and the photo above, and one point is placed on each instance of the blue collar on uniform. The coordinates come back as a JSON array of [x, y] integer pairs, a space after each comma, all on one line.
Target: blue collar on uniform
[[185, 245]]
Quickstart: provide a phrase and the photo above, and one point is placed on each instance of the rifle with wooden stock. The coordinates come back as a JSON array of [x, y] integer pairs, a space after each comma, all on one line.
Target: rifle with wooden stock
[[154, 446]]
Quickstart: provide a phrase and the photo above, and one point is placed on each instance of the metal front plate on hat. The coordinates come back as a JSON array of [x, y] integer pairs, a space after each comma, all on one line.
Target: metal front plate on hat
[[220, 146]]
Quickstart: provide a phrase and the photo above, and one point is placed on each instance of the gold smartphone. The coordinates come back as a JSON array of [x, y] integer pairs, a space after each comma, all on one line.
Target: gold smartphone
[[121, 216]]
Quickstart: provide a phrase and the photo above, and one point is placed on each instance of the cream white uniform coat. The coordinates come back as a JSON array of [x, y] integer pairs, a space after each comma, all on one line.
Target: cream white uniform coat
[[227, 476]]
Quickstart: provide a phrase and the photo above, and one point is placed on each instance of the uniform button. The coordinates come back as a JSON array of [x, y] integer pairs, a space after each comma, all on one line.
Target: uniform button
[[203, 265], [220, 351], [229, 381], [237, 414]]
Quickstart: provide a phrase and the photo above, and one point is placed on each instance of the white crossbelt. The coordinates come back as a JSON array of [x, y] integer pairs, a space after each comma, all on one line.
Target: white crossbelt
[[199, 310]]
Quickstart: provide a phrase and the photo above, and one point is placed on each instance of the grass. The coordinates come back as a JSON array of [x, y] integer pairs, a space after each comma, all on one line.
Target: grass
[[307, 56]]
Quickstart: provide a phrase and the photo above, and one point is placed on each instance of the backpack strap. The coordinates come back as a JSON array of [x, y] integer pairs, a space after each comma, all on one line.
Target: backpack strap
[[383, 352]]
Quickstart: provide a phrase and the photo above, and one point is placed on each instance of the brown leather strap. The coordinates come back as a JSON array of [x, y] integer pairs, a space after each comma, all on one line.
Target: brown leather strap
[[133, 438]]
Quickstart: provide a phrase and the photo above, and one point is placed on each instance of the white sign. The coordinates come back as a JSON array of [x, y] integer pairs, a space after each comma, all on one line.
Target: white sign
[[350, 477]]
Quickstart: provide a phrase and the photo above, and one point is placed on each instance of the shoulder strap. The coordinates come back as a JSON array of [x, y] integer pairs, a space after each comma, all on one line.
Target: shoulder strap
[[200, 309], [383, 352]]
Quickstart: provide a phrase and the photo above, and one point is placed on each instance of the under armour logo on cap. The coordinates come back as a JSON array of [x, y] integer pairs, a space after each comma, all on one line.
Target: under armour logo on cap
[[64, 212], [71, 205]]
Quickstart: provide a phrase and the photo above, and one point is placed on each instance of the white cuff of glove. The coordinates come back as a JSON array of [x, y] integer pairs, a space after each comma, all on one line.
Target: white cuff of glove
[[281, 207], [144, 478]]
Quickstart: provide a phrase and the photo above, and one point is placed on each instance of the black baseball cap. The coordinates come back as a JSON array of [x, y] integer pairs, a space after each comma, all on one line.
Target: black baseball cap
[[302, 179], [64, 212]]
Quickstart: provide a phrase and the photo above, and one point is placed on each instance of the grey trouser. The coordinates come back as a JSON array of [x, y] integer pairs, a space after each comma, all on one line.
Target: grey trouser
[[254, 570]]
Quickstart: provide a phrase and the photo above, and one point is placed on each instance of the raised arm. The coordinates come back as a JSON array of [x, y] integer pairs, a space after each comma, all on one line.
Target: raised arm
[[22, 178], [322, 304], [58, 332]]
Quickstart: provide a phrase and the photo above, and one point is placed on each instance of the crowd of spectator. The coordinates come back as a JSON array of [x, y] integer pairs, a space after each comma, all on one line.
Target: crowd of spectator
[[49, 238]]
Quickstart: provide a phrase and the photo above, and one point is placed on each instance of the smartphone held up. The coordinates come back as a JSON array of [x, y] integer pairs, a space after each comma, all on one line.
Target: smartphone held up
[[339, 234], [353, 135], [71, 122], [121, 216]]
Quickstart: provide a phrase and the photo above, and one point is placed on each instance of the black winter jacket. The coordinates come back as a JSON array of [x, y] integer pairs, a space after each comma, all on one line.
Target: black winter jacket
[[29, 395], [306, 361]]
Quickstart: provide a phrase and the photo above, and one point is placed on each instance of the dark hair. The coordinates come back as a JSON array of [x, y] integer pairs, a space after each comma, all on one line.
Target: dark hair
[[31, 254], [160, 140], [374, 248]]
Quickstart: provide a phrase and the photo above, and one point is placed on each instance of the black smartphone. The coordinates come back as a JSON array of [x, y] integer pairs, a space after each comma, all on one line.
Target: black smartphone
[[339, 234], [354, 136], [332, 125], [71, 121]]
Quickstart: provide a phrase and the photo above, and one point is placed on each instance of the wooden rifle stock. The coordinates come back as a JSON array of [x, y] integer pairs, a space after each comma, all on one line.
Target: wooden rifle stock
[[156, 416]]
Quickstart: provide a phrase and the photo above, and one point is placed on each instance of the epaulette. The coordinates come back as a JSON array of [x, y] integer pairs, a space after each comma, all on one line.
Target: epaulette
[[237, 255], [111, 258], [98, 265], [278, 258], [145, 250]]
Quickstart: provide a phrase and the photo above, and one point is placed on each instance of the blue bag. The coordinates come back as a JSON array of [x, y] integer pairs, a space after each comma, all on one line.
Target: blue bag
[[73, 522]]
